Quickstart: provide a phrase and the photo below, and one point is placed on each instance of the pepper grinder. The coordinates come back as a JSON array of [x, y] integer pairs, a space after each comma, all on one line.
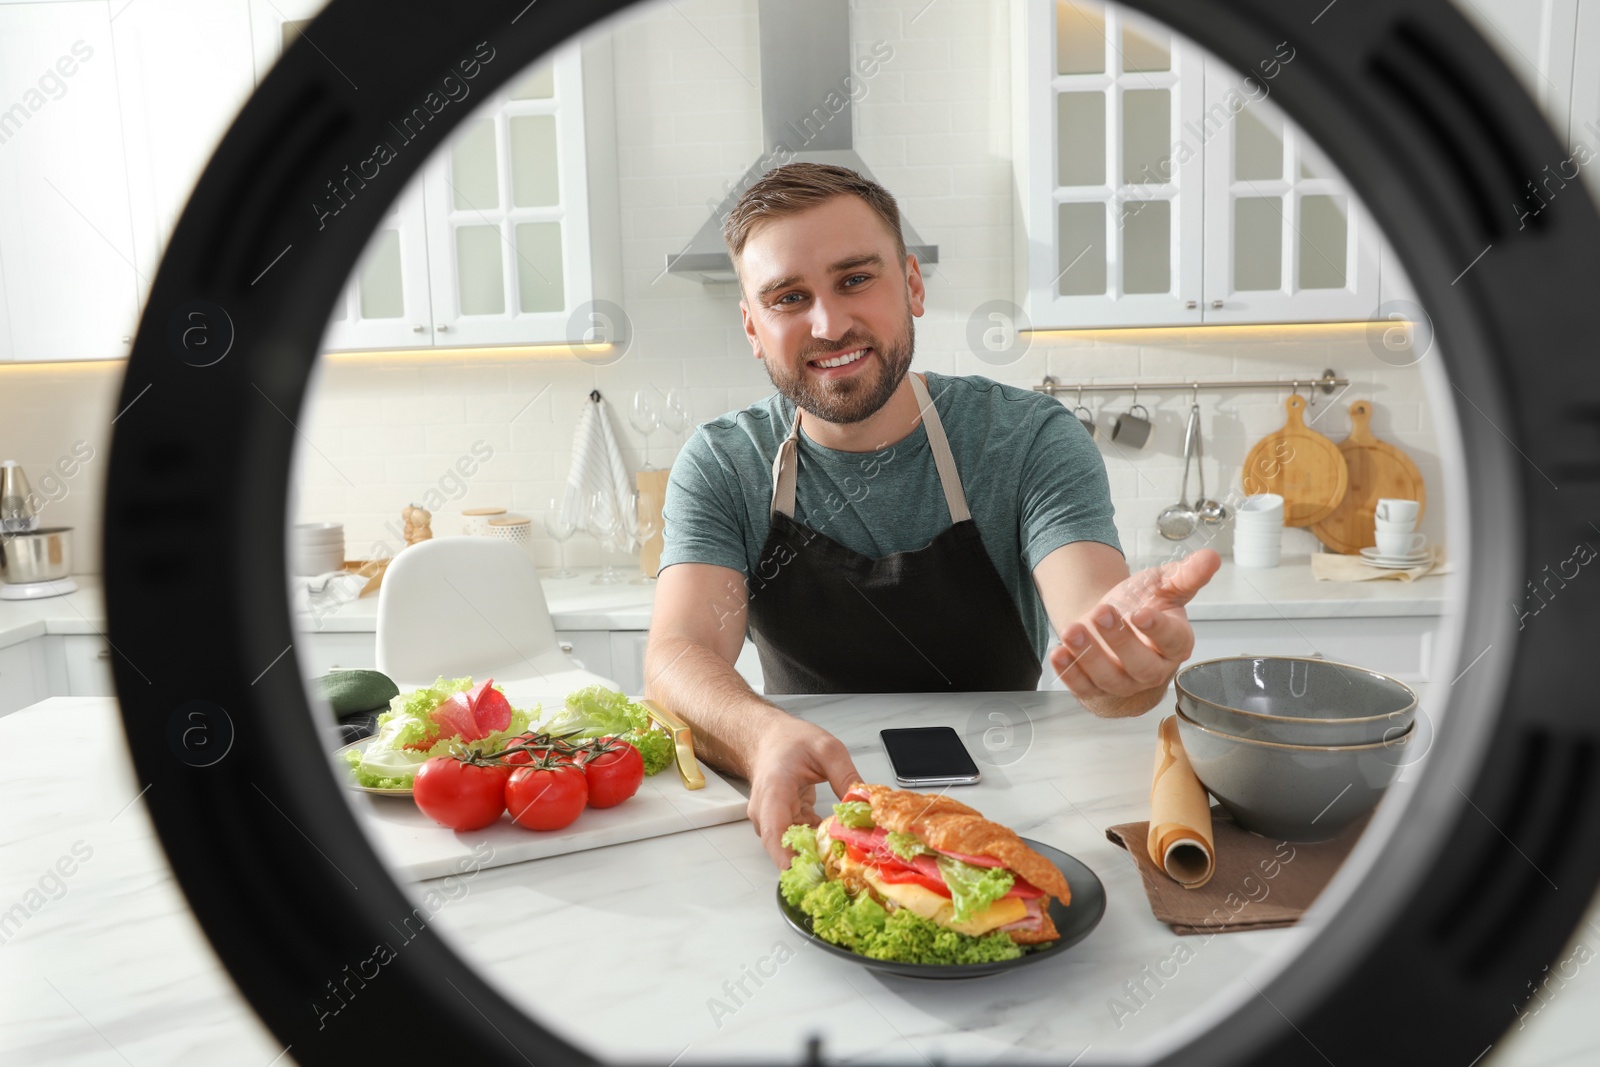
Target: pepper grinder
[[17, 514]]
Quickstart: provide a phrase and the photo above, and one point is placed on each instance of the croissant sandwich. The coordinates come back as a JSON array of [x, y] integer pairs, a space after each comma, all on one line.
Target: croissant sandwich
[[932, 857]]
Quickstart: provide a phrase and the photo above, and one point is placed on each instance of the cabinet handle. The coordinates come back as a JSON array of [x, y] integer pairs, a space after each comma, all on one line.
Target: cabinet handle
[[442, 328], [104, 653], [418, 329], [1191, 304], [127, 340], [566, 646], [1216, 303]]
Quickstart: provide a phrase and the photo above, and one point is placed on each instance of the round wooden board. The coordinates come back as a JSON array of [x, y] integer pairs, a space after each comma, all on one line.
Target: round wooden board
[[1377, 470], [1300, 465]]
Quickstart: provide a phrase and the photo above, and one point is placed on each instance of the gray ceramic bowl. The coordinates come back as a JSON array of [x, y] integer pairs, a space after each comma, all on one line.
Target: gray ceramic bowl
[[1291, 792], [1295, 700]]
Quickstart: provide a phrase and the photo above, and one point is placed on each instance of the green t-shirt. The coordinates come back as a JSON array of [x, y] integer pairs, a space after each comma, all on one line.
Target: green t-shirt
[[1033, 478]]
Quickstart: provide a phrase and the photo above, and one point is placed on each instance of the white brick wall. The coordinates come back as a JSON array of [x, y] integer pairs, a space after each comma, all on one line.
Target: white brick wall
[[934, 126]]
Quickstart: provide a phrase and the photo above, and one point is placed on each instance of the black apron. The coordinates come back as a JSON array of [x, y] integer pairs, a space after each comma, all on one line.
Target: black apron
[[827, 619]]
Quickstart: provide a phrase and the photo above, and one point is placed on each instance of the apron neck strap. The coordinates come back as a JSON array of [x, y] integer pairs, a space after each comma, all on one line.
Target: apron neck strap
[[784, 465]]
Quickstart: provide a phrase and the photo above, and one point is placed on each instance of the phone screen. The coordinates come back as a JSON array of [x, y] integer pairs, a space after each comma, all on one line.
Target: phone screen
[[929, 754]]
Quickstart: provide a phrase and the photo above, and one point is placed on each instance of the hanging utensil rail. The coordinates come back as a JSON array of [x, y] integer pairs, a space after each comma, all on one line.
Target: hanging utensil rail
[[1327, 382]]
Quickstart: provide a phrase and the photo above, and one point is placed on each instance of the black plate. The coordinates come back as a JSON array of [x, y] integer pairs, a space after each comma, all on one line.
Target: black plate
[[1073, 923]]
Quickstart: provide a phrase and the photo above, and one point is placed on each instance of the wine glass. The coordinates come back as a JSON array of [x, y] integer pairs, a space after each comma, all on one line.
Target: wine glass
[[642, 528], [605, 526], [675, 413], [643, 417], [559, 529]]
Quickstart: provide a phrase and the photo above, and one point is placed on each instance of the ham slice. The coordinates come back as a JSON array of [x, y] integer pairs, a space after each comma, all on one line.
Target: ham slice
[[872, 843], [1031, 921], [472, 715]]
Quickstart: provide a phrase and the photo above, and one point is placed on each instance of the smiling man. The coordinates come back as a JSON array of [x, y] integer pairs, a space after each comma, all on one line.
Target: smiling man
[[878, 530]]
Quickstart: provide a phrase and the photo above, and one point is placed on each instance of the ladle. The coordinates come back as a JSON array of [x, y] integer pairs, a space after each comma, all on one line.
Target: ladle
[[1178, 521]]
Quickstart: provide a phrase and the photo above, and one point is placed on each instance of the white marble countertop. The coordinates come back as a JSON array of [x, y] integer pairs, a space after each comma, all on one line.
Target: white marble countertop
[[112, 968], [1287, 591]]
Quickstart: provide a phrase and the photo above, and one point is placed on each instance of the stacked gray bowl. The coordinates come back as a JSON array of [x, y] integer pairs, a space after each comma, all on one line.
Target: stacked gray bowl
[[1295, 748]]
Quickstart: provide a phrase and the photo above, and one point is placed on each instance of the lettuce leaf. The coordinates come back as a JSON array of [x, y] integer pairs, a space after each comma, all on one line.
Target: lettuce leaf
[[386, 762], [596, 711], [859, 923], [906, 846], [973, 888], [862, 925], [805, 870], [856, 814]]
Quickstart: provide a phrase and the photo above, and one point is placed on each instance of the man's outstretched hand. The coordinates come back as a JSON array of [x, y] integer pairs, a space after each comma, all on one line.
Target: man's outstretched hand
[[792, 759], [1119, 656]]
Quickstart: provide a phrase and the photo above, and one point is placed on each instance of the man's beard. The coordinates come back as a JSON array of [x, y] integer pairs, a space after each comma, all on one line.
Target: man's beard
[[853, 399]]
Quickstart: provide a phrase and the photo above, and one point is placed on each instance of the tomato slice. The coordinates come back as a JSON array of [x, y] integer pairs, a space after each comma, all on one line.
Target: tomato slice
[[1023, 889], [854, 853], [904, 875]]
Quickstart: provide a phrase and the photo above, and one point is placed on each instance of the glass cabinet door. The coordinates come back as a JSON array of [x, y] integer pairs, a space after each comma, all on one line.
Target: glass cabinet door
[[1115, 187], [385, 304], [1286, 239], [507, 203]]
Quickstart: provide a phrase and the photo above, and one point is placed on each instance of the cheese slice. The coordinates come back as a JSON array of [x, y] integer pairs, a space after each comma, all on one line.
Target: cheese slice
[[924, 902]]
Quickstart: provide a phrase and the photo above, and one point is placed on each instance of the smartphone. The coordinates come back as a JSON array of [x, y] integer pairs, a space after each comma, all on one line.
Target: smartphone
[[929, 755]]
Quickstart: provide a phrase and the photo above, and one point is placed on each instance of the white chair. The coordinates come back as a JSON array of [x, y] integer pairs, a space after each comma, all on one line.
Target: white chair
[[470, 605]]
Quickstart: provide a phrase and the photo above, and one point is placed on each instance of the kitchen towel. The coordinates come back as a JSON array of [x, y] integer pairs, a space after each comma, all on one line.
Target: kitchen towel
[[597, 467], [1180, 841], [1333, 567], [1259, 883]]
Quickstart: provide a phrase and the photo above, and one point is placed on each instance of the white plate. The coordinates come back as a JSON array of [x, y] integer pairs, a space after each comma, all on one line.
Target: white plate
[[1388, 565], [1372, 556]]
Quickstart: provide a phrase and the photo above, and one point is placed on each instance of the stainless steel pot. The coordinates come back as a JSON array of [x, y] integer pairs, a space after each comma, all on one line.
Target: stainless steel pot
[[41, 555]]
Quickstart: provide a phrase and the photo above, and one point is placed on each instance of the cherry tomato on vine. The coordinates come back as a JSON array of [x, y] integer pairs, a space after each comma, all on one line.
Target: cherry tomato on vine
[[614, 770], [460, 795], [547, 794]]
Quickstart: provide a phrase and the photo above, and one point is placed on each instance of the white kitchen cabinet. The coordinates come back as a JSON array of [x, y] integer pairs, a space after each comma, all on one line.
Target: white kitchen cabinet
[[22, 676], [1535, 38], [386, 303], [165, 50], [88, 665], [1286, 239], [1401, 646], [1114, 193], [508, 213], [591, 648], [67, 252], [1164, 188], [1584, 114], [319, 653]]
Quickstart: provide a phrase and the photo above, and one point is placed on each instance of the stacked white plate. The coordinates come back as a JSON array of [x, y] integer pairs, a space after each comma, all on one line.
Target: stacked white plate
[[1396, 563], [316, 548], [1258, 531]]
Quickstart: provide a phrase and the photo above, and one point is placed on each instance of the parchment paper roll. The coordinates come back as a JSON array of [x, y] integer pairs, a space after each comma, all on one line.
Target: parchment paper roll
[[1180, 840]]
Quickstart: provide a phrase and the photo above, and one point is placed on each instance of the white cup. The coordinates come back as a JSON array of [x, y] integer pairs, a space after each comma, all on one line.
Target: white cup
[[1394, 527], [1394, 509], [1263, 504], [1255, 558], [1399, 544]]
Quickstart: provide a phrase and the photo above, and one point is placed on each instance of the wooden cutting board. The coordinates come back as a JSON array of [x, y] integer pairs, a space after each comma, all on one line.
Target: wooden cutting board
[[1377, 470], [1300, 465]]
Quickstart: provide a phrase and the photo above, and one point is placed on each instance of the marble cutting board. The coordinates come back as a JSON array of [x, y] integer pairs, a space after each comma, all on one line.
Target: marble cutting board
[[415, 847]]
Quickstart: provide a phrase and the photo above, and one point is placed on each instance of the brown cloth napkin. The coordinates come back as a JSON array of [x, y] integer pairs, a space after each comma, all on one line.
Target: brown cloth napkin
[[1333, 567], [1258, 884]]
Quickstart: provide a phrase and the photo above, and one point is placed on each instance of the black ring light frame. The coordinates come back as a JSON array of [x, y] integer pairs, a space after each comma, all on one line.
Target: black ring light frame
[[1449, 928]]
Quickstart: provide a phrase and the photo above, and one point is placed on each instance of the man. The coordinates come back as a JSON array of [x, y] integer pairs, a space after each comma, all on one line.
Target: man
[[878, 530]]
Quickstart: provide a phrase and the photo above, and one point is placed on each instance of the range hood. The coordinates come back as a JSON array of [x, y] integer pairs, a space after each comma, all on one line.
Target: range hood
[[805, 58]]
